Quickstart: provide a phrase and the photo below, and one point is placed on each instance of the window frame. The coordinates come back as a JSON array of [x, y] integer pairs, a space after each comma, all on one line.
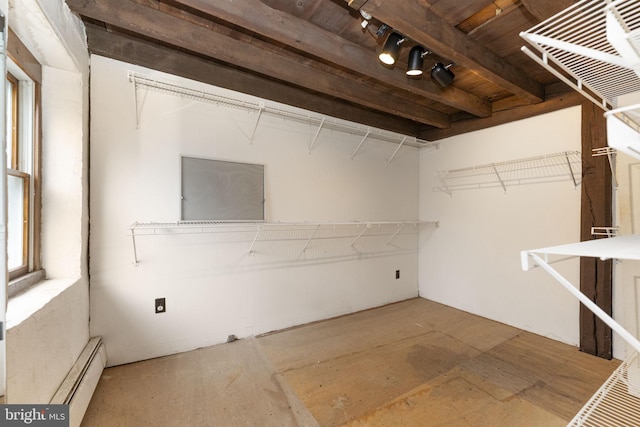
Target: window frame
[[23, 67]]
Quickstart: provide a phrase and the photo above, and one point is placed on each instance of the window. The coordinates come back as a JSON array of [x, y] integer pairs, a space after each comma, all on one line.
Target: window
[[22, 171]]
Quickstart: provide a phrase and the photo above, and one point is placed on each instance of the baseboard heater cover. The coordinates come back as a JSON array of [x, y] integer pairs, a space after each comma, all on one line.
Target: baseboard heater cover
[[77, 388]]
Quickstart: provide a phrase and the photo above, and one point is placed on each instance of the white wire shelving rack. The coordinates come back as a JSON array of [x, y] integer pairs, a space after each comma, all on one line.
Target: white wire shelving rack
[[624, 409], [593, 46], [617, 402], [311, 239], [144, 82], [562, 166], [623, 129]]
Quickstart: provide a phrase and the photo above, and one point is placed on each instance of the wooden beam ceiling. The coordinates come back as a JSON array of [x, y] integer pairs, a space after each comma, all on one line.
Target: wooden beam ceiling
[[256, 17], [423, 26], [257, 57], [558, 97], [314, 55]]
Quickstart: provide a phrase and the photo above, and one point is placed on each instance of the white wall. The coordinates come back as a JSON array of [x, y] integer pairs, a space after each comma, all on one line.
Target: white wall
[[48, 325], [214, 290], [626, 304], [471, 261]]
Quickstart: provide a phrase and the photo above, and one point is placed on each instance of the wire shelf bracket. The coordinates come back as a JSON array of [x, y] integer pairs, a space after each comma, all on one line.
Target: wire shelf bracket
[[255, 127], [610, 152], [315, 137], [605, 231], [623, 130], [364, 138]]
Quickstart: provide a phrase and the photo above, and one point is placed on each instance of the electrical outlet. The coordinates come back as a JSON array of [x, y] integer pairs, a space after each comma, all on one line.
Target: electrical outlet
[[397, 274], [161, 305]]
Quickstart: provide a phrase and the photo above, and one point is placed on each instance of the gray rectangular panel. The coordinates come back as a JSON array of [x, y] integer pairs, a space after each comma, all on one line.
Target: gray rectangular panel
[[218, 190]]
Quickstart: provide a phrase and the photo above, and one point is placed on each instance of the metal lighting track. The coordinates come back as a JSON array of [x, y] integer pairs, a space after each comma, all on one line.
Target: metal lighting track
[[141, 81]]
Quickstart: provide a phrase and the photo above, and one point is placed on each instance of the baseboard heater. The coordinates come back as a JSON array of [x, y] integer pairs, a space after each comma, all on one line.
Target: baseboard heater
[[81, 381]]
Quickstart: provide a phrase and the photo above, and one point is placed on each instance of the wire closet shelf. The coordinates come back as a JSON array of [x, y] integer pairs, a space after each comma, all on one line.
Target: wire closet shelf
[[562, 166], [617, 402], [594, 46], [311, 239], [141, 81]]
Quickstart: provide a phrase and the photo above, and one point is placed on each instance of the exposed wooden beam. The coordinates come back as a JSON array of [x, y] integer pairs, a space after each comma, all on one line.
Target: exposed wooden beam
[[486, 15], [555, 101], [596, 201], [423, 26], [285, 28], [544, 9], [135, 51], [151, 23]]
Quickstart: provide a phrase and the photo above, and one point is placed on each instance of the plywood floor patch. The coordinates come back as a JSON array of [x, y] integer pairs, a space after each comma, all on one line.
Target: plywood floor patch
[[414, 363]]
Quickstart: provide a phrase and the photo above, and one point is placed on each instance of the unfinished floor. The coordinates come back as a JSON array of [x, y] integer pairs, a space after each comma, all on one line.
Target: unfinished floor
[[413, 363]]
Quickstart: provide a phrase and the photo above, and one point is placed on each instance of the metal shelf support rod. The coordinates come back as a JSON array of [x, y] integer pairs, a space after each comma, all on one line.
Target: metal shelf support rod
[[504, 187], [364, 138], [397, 149], [255, 127], [135, 104], [573, 177], [254, 240], [135, 252], [306, 245], [359, 236], [630, 339], [315, 138], [394, 235]]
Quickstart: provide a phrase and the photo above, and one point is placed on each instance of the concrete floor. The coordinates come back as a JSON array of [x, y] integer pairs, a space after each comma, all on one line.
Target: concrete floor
[[414, 363]]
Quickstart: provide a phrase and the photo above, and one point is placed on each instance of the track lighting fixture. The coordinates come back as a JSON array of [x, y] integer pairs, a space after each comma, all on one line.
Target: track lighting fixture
[[416, 55], [381, 30], [442, 74], [391, 48], [365, 19]]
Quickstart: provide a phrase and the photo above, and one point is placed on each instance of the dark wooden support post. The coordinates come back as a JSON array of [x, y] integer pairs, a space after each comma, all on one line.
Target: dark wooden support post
[[596, 210]]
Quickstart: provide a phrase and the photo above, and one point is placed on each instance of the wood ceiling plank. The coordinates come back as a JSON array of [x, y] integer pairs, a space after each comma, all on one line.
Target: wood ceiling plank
[[151, 23], [502, 34], [486, 15], [121, 47], [257, 17], [455, 12], [554, 102], [543, 9], [425, 27]]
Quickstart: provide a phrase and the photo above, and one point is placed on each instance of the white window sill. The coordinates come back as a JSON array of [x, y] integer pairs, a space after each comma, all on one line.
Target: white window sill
[[22, 283], [25, 303]]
